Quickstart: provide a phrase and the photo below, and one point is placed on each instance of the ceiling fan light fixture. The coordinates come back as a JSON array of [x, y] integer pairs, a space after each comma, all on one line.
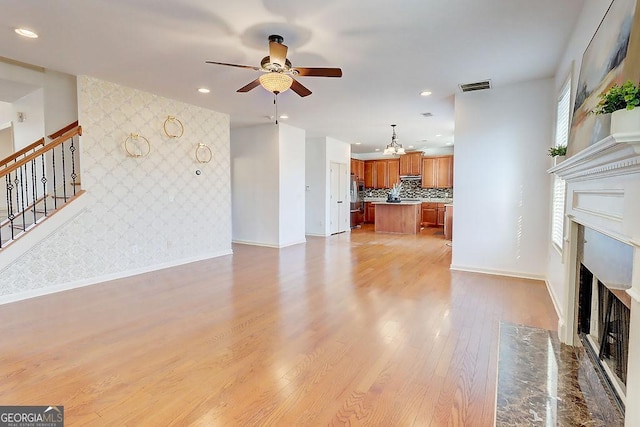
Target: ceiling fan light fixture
[[275, 82]]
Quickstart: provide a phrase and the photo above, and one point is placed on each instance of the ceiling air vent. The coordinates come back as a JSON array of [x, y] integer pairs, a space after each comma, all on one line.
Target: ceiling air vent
[[470, 87], [427, 114]]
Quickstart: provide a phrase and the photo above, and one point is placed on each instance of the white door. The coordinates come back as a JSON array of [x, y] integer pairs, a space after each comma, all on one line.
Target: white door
[[338, 198]]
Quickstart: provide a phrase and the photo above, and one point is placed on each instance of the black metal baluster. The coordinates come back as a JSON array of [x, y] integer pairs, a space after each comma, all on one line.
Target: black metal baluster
[[10, 214], [44, 183], [72, 148], [23, 195], [53, 168], [64, 175], [34, 190]]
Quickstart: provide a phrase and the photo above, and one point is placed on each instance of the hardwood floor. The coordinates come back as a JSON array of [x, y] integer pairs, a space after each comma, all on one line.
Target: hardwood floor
[[356, 329]]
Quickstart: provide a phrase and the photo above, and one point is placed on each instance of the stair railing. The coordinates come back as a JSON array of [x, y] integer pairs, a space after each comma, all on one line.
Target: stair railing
[[38, 180]]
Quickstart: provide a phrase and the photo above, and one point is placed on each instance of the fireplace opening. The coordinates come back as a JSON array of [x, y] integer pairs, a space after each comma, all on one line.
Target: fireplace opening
[[605, 267]]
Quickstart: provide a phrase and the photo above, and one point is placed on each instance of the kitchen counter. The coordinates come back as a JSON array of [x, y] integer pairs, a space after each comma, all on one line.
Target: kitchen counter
[[402, 202], [419, 199], [398, 218]]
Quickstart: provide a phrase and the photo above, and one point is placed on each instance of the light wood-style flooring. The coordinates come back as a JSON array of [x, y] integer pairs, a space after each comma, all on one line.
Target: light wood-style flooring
[[356, 329]]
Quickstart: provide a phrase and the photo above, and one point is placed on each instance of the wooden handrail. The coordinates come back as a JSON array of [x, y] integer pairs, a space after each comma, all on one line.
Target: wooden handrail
[[17, 154], [53, 144], [62, 131]]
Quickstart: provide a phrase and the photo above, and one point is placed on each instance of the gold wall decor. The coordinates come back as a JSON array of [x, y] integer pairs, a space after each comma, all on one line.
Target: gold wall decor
[[178, 130], [203, 153], [137, 145]]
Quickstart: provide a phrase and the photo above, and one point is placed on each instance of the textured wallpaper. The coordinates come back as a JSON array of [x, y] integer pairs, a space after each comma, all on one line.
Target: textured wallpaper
[[143, 212]]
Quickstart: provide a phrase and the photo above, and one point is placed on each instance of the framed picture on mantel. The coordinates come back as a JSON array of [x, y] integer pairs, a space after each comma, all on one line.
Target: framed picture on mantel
[[603, 63]]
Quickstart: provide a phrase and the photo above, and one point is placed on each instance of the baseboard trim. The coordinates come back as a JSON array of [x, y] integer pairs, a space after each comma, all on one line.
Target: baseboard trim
[[317, 234], [496, 272], [556, 305], [267, 245], [6, 299]]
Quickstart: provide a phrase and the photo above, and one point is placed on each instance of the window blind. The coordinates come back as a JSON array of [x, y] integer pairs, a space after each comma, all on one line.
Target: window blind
[[562, 138]]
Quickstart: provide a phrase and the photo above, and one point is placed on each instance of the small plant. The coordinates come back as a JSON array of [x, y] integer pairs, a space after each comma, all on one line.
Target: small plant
[[560, 150], [617, 98]]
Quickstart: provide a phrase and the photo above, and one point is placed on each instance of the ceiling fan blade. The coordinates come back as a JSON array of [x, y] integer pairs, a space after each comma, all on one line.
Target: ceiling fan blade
[[318, 72], [250, 86], [233, 65], [298, 88], [277, 53]]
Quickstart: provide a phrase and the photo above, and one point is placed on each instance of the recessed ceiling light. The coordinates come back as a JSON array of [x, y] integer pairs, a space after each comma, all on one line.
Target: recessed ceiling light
[[284, 116], [203, 90], [425, 93], [358, 143], [411, 146], [26, 33], [439, 134], [377, 149]]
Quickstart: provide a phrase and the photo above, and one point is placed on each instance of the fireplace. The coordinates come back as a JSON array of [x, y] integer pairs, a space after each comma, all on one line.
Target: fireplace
[[604, 307], [600, 307]]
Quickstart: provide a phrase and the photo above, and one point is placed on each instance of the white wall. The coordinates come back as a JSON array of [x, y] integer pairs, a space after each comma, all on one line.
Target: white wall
[[292, 184], [588, 21], [60, 100], [255, 185], [32, 128], [142, 213], [316, 195], [321, 152], [268, 164], [501, 186]]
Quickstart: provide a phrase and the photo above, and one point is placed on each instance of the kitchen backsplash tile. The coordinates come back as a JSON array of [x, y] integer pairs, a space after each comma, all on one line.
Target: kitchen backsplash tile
[[409, 190]]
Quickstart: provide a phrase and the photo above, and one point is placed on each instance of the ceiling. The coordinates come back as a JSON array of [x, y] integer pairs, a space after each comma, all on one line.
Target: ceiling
[[388, 51]]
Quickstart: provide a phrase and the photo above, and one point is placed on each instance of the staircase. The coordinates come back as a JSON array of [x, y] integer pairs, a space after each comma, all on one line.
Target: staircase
[[38, 181]]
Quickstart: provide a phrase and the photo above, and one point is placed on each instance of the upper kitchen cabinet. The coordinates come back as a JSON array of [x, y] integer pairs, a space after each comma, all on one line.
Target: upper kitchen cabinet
[[357, 169], [437, 172], [369, 174], [381, 173], [394, 172], [411, 164], [444, 172]]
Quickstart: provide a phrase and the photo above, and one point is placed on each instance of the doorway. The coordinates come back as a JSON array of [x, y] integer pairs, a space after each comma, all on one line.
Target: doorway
[[339, 186]]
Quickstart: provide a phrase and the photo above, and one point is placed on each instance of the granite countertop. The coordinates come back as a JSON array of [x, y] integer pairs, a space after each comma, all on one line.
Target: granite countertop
[[416, 199], [402, 202]]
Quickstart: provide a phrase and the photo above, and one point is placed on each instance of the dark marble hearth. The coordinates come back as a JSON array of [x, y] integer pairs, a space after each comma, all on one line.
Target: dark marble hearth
[[543, 382]]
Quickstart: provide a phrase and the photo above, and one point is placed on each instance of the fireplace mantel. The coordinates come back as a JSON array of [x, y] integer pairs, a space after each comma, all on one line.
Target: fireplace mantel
[[603, 193], [615, 155]]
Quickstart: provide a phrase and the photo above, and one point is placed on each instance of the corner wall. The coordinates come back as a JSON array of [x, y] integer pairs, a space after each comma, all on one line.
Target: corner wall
[[142, 213], [501, 186], [321, 152]]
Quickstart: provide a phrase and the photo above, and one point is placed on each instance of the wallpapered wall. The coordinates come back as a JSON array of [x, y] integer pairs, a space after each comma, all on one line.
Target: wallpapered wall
[[143, 212]]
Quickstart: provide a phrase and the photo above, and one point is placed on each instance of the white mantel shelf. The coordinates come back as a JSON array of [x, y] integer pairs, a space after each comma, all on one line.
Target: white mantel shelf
[[615, 155]]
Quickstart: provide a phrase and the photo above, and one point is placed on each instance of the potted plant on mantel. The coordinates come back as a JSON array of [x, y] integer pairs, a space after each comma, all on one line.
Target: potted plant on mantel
[[558, 153], [621, 102]]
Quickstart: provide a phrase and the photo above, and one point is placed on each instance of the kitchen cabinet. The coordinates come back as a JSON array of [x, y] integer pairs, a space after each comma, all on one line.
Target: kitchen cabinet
[[444, 172], [429, 172], [433, 214], [381, 173], [448, 222], [394, 172], [411, 163], [437, 172], [369, 213], [368, 174], [357, 169]]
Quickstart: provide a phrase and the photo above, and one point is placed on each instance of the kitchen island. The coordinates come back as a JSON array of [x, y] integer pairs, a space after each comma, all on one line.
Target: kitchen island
[[399, 218]]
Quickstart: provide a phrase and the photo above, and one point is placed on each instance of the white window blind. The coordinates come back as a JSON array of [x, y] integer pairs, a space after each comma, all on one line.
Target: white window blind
[[562, 138]]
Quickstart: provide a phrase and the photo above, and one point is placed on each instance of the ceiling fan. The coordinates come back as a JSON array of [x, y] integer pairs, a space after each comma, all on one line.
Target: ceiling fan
[[278, 72]]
